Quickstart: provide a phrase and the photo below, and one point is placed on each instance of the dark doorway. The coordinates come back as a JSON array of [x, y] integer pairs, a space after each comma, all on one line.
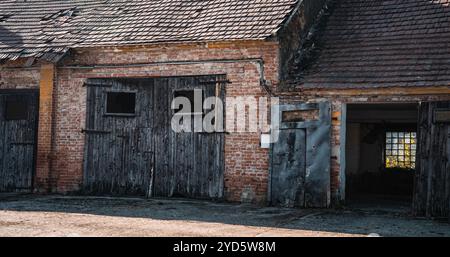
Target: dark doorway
[[131, 148], [381, 146], [18, 133]]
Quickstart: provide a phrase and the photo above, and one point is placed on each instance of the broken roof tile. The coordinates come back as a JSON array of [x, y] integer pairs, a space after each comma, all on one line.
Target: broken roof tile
[[84, 23]]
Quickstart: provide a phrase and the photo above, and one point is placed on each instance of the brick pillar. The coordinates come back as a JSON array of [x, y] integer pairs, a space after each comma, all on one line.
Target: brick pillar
[[336, 152], [43, 164]]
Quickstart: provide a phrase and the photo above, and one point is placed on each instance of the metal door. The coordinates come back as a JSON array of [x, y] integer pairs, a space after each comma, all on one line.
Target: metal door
[[300, 159]]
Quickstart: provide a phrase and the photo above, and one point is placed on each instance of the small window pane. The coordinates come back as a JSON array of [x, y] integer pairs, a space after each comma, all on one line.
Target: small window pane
[[16, 109], [121, 103], [400, 150]]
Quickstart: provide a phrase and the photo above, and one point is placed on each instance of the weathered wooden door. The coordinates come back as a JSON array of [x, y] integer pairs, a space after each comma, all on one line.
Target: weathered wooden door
[[18, 131], [119, 146], [187, 164], [131, 148], [432, 181], [300, 162]]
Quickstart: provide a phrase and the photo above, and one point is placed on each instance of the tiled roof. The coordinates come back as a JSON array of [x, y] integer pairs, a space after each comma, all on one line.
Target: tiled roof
[[379, 43], [43, 28]]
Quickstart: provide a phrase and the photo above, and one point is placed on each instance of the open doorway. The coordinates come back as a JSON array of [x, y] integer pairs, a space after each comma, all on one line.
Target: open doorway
[[381, 143]]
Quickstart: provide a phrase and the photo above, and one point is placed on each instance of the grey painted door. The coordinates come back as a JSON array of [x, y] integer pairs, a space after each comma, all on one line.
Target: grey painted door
[[300, 159], [138, 153], [18, 129], [432, 180]]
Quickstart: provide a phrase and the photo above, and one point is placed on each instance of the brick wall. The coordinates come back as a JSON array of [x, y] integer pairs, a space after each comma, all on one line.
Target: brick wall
[[14, 76], [246, 164]]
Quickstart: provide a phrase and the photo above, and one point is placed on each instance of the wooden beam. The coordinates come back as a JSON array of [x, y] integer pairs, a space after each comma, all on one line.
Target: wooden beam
[[444, 90]]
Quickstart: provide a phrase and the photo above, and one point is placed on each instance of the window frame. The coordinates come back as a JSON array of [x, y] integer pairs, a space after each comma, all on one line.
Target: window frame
[[413, 164], [106, 113]]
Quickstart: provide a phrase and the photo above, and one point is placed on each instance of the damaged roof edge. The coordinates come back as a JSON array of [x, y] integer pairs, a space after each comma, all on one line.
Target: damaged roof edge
[[287, 19]]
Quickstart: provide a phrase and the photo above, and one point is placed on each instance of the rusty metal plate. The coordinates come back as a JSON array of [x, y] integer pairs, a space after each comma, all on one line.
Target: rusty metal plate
[[300, 115]]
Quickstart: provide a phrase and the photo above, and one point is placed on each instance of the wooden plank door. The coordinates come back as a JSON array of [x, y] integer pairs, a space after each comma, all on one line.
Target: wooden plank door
[[300, 159], [18, 131], [187, 164], [138, 153], [119, 146], [432, 180]]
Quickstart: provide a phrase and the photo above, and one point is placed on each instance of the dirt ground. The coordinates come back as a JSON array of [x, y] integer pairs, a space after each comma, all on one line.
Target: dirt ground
[[32, 215]]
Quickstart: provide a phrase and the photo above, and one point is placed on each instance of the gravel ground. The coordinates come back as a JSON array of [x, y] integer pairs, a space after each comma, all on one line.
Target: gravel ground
[[32, 215]]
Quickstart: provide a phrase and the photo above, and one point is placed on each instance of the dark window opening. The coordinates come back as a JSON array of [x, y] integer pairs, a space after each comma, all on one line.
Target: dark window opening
[[16, 109], [121, 103], [190, 95]]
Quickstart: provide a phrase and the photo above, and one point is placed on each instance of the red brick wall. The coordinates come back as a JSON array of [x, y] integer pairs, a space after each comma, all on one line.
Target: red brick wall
[[246, 164], [14, 76]]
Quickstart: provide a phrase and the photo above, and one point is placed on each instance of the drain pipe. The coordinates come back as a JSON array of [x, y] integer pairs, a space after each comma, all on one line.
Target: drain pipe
[[257, 61]]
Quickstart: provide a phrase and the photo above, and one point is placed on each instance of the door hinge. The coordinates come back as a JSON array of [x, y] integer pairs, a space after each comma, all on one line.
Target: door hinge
[[95, 85], [207, 82], [22, 143], [94, 131]]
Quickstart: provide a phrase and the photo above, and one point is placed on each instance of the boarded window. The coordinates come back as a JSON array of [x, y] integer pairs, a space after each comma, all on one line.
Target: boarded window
[[401, 150], [16, 109], [121, 103]]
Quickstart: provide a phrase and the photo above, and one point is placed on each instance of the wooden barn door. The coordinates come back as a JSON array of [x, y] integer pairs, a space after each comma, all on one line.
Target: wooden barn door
[[18, 130], [432, 182], [300, 163], [187, 164], [131, 148], [119, 148]]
